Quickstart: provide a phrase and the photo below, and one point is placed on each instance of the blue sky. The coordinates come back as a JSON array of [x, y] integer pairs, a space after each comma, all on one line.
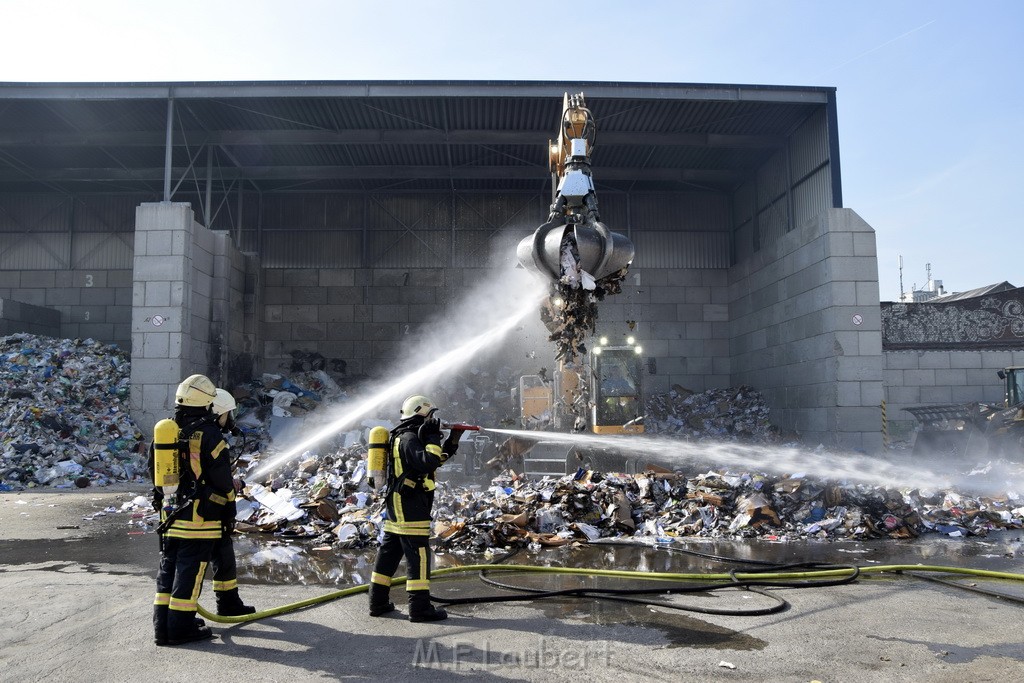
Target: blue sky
[[931, 110]]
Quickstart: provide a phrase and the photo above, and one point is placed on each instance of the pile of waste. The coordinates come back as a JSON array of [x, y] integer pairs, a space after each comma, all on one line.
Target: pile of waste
[[326, 501], [736, 414], [64, 417], [662, 505]]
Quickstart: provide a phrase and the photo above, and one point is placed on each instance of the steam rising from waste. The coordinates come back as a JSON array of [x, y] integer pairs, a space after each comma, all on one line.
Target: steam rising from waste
[[853, 467], [466, 330]]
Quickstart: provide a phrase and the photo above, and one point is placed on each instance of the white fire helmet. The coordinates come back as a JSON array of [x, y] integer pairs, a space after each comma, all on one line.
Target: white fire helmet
[[417, 405]]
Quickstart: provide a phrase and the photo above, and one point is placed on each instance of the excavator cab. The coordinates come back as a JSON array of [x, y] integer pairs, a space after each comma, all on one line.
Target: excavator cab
[[616, 390]]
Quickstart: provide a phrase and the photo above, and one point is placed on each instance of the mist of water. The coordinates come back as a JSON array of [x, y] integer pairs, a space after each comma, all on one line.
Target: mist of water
[[740, 457], [497, 307]]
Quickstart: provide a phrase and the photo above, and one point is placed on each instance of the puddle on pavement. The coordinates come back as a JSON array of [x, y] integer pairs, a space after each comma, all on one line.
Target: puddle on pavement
[[955, 653], [115, 547], [129, 554]]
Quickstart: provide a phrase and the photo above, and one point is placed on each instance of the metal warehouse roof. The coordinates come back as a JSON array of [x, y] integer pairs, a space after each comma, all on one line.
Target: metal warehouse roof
[[399, 135]]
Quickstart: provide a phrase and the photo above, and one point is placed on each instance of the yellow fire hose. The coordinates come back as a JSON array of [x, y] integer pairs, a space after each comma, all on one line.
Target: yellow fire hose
[[654, 576]]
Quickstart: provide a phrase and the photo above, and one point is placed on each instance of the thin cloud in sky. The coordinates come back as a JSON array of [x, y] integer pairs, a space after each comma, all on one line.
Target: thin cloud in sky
[[876, 48]]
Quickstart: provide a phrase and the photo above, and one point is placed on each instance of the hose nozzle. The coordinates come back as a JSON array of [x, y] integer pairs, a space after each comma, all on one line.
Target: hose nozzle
[[461, 427]]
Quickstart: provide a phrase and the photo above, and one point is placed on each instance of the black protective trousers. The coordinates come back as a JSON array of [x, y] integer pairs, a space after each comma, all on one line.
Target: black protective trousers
[[180, 579], [416, 550], [222, 561]]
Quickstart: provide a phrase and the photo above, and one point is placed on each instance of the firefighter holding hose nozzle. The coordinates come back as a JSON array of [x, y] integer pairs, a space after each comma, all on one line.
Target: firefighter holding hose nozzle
[[412, 453]]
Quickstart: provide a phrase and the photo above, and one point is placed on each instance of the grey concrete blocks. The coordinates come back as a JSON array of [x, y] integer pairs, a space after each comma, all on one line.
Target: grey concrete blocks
[[277, 295], [299, 314], [98, 296], [309, 295], [960, 359], [336, 277], [37, 278], [919, 378], [996, 359], [840, 244], [855, 268], [937, 394], [938, 361], [864, 244], [715, 312], [902, 360], [389, 314]]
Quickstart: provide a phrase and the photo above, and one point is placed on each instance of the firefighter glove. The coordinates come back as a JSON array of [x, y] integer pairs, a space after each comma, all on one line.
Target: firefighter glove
[[430, 430], [451, 444]]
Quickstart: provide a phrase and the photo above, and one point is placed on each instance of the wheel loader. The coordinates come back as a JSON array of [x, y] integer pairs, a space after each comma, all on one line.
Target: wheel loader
[[975, 430]]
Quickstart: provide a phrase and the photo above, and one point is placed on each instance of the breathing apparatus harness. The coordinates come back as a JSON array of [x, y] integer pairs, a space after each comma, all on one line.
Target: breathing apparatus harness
[[186, 487]]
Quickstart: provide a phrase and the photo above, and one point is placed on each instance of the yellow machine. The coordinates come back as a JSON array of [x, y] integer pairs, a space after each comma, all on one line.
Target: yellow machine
[[615, 388], [166, 461], [613, 405], [376, 457], [574, 215]]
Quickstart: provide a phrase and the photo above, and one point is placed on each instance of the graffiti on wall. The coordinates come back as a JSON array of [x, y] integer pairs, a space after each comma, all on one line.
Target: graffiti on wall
[[994, 321]]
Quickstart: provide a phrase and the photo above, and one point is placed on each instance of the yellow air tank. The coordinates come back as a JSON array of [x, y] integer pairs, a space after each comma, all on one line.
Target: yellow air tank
[[165, 455], [377, 456]]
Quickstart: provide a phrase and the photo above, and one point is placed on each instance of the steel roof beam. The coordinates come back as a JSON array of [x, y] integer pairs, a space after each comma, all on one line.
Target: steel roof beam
[[404, 89], [241, 138], [369, 172]]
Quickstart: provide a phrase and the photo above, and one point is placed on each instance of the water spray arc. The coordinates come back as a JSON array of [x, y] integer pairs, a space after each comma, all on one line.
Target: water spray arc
[[745, 457], [414, 381]]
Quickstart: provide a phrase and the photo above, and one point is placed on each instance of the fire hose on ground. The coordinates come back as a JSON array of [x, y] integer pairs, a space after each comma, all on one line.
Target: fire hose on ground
[[784, 576]]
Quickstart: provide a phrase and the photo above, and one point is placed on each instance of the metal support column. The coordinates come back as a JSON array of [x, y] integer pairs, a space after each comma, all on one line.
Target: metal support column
[[209, 185], [169, 149]]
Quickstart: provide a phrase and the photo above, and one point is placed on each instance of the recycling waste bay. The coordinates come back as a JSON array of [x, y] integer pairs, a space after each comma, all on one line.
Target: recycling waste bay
[[65, 423]]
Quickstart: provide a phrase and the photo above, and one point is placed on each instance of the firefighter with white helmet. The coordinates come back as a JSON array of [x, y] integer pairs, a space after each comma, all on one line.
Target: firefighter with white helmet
[[414, 452], [200, 496], [222, 560]]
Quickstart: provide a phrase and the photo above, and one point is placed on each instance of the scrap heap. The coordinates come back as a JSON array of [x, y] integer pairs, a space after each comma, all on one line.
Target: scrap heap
[[328, 504], [64, 416], [734, 413]]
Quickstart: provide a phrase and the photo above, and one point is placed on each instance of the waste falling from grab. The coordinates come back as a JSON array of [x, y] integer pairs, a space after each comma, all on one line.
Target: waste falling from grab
[[424, 374], [739, 457]]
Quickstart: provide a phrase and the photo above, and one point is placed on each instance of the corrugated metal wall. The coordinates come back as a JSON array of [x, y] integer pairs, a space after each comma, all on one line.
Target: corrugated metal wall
[[59, 232], [791, 187], [441, 229], [664, 249]]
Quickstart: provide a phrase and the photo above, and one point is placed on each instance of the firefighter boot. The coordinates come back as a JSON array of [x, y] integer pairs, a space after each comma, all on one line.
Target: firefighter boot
[[420, 608], [182, 628], [230, 605], [379, 603], [160, 624]]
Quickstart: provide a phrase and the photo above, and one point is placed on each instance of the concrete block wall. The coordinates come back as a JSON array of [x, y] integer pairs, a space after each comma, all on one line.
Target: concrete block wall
[[681, 321], [192, 311], [19, 317], [172, 314], [805, 329], [917, 378], [233, 332], [357, 316], [92, 303]]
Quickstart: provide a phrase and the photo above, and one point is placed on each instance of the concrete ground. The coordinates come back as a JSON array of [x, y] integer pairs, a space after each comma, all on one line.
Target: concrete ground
[[77, 591]]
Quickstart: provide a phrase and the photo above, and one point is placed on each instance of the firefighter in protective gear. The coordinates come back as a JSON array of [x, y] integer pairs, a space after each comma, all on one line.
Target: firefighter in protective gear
[[222, 561], [202, 502], [415, 451]]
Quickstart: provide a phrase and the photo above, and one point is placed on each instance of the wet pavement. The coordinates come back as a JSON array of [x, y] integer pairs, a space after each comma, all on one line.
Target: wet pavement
[[74, 572]]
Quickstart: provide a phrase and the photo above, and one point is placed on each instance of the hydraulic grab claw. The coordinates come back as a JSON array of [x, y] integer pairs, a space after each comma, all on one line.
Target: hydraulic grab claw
[[581, 258], [574, 241]]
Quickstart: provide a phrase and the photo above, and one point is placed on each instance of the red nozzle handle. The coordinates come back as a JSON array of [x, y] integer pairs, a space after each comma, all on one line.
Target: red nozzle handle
[[462, 427]]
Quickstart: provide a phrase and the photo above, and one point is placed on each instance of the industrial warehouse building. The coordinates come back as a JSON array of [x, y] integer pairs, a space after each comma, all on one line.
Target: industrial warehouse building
[[220, 227]]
